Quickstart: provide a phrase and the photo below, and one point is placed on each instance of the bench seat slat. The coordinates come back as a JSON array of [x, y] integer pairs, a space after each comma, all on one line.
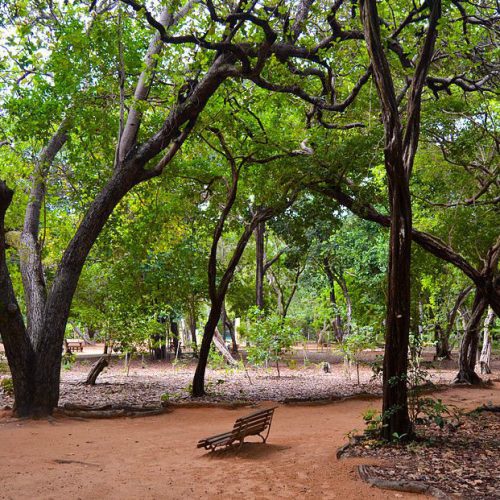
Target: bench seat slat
[[257, 414], [265, 418]]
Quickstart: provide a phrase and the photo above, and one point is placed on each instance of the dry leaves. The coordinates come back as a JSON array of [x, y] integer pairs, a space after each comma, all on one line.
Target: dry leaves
[[463, 462]]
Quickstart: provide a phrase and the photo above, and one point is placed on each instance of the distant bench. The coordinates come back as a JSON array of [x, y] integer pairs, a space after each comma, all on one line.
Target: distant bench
[[254, 424], [75, 345]]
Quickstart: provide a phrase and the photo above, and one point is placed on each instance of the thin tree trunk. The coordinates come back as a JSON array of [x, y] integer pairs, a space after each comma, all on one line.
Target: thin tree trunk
[[470, 340], [208, 333], [218, 288], [485, 357], [348, 304], [192, 328], [229, 326], [174, 328], [259, 268], [96, 369], [337, 323], [443, 350]]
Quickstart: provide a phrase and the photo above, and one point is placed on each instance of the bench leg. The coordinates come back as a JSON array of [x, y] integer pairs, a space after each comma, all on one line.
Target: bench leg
[[264, 439]]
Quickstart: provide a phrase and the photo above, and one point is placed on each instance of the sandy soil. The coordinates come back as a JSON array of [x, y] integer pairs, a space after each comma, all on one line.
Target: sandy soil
[[155, 457]]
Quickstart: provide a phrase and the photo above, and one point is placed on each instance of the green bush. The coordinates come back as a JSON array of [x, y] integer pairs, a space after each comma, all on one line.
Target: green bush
[[270, 337]]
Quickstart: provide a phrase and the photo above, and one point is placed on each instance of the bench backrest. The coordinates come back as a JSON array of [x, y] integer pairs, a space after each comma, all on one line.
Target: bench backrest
[[254, 423]]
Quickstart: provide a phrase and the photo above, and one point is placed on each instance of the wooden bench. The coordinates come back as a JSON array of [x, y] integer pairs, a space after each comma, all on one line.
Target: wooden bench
[[75, 345], [254, 424]]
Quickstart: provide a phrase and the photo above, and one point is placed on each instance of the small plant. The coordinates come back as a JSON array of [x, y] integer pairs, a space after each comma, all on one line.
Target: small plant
[[373, 423], [292, 364], [398, 438], [216, 360], [165, 397], [354, 344], [68, 360], [7, 386], [4, 368], [434, 411]]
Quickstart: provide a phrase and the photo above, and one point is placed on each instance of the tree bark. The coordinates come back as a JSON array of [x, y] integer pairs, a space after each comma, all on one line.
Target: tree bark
[[192, 327], [30, 257], [348, 304], [208, 333], [228, 324], [18, 347], [485, 357], [443, 350], [96, 369], [470, 340], [337, 322], [174, 328], [400, 147], [259, 268]]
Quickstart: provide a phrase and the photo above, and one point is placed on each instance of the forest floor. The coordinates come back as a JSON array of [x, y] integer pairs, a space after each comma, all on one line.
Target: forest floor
[[156, 457], [147, 382]]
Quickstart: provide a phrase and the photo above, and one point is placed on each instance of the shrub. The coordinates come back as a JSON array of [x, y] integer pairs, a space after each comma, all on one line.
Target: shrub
[[270, 337]]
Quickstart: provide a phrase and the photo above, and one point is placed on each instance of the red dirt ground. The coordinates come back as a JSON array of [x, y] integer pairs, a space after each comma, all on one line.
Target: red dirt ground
[[155, 457]]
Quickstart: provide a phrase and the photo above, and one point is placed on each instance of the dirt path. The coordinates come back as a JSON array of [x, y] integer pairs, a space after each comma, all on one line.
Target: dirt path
[[156, 457]]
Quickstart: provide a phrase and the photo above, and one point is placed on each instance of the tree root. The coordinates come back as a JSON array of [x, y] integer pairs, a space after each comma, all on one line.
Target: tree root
[[491, 408], [467, 378], [367, 474], [110, 411]]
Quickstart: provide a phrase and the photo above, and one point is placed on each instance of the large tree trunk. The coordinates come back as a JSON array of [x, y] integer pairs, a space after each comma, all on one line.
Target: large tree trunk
[[470, 340], [395, 404], [400, 146], [259, 268]]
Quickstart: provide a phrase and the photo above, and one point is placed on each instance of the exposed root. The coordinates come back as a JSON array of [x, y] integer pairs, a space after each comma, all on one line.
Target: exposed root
[[367, 474]]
